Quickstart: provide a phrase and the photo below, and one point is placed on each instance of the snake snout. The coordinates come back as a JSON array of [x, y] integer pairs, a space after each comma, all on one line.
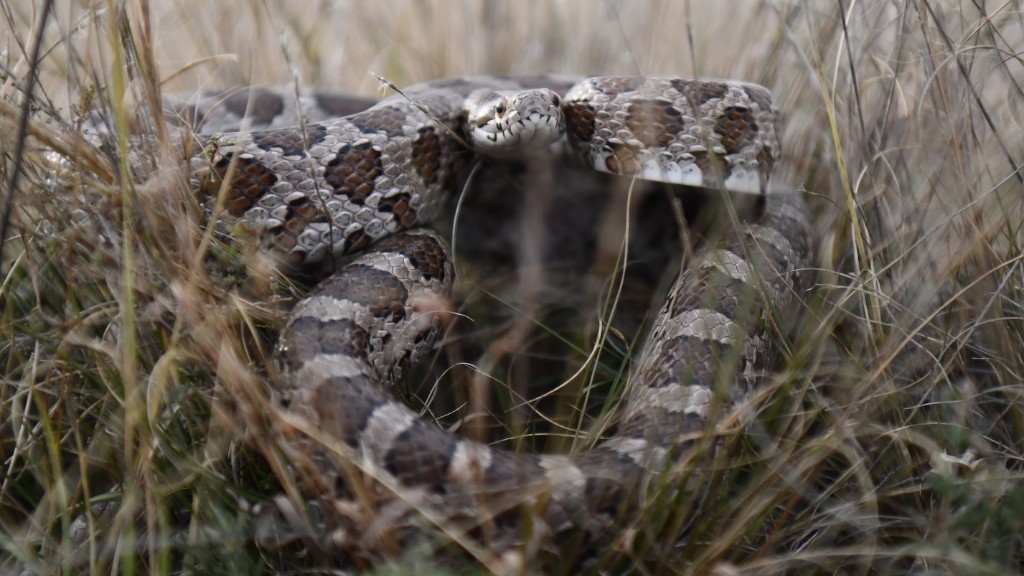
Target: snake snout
[[515, 125]]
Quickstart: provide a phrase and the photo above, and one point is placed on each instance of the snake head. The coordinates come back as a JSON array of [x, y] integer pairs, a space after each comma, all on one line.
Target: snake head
[[513, 124]]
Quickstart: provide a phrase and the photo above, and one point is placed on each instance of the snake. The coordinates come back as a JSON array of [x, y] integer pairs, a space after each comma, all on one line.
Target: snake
[[355, 193]]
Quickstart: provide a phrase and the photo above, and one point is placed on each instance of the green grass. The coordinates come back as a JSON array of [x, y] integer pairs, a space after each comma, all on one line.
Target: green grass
[[889, 442]]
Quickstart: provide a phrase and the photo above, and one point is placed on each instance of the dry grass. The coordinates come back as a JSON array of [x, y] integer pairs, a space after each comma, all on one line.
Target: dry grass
[[890, 442]]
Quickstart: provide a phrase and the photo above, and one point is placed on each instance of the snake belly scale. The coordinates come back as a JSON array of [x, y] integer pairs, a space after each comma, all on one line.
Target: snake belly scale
[[367, 184]]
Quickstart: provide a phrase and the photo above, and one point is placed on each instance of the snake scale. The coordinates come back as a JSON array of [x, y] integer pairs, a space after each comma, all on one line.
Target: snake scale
[[368, 183]]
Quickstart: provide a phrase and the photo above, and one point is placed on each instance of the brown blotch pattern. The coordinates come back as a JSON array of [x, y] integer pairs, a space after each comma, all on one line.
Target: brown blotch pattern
[[285, 243], [426, 154], [424, 253], [356, 241], [700, 92], [399, 206], [510, 469], [353, 170], [304, 209], [737, 127], [656, 123], [250, 181], [420, 456], [438, 158], [623, 159], [580, 119], [291, 141], [688, 361], [345, 405], [309, 336], [703, 161], [454, 163], [381, 292]]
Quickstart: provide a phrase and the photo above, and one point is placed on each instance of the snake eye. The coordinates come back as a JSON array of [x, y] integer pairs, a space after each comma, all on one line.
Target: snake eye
[[555, 101], [501, 107]]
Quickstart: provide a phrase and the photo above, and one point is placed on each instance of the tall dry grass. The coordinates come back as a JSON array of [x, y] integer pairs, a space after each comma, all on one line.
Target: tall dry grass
[[890, 441]]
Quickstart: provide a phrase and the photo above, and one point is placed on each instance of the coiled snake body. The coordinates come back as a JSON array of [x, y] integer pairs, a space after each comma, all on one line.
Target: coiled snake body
[[368, 182]]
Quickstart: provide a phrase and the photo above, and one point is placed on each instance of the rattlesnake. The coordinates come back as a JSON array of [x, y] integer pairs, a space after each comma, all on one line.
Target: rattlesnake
[[366, 184]]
